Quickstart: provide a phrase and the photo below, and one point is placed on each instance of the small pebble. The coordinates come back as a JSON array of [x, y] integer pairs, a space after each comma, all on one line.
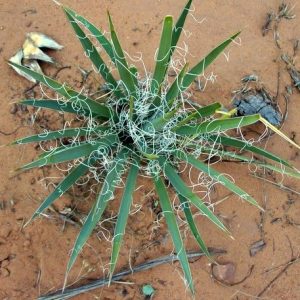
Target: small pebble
[[13, 109], [172, 73], [5, 230], [2, 241], [224, 273], [4, 272], [4, 263]]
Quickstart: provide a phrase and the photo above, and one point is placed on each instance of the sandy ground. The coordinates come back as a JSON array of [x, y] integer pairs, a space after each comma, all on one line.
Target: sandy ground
[[33, 260]]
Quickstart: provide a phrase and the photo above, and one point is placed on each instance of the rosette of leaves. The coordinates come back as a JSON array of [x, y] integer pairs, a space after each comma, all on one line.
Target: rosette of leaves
[[146, 126]]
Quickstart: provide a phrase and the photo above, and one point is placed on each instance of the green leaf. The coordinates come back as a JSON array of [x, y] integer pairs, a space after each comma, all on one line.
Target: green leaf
[[51, 151], [64, 185], [92, 53], [103, 41], [218, 177], [175, 87], [162, 56], [204, 63], [62, 133], [61, 106], [201, 112], [131, 107], [160, 122], [217, 125], [134, 74], [123, 214], [174, 230], [186, 192], [189, 217], [179, 25], [285, 170], [62, 89], [106, 193], [121, 63], [69, 153], [245, 145]]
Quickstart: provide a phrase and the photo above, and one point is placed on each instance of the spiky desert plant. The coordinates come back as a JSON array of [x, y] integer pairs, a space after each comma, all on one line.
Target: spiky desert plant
[[144, 125]]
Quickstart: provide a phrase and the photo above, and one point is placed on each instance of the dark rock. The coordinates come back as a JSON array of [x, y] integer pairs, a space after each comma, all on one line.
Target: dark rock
[[258, 104], [256, 247]]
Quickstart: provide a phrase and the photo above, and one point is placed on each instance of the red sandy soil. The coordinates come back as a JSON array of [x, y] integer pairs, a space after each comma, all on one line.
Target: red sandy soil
[[33, 260]]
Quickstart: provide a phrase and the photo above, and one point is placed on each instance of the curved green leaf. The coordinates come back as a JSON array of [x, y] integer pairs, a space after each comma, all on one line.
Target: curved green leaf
[[159, 122], [64, 185], [218, 177], [285, 170], [134, 73], [106, 193], [69, 153], [189, 217], [174, 90], [186, 192], [62, 89], [179, 25], [217, 125], [62, 133], [204, 63], [174, 230], [163, 55], [201, 112], [245, 145], [61, 106], [92, 53], [121, 63], [103, 41], [123, 214]]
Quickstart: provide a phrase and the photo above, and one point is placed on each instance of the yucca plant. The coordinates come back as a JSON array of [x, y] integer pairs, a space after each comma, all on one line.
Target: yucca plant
[[144, 125]]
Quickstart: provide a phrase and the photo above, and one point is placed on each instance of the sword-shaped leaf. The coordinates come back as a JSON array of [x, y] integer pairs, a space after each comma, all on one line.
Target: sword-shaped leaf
[[106, 193], [201, 112], [189, 218], [186, 192], [62, 89], [175, 87], [162, 58], [245, 145], [217, 176], [204, 63], [103, 41], [63, 133], [64, 185], [134, 74], [123, 215], [159, 122], [174, 230], [69, 153], [121, 63], [176, 32], [179, 25], [60, 106], [92, 53], [217, 125], [285, 170]]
